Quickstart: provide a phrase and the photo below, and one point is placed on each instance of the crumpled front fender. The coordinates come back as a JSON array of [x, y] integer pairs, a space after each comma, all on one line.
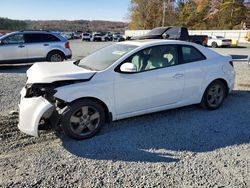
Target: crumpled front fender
[[31, 110]]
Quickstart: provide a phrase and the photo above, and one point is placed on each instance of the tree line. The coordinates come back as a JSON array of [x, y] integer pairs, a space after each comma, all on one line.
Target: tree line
[[62, 25], [147, 14], [78, 25], [12, 25], [194, 14]]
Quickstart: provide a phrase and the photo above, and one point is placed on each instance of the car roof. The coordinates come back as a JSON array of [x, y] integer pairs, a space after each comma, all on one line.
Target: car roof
[[149, 42], [34, 31]]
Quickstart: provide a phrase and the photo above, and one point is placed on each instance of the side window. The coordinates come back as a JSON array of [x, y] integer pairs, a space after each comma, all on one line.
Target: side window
[[155, 57], [14, 39], [50, 38], [173, 32], [191, 54]]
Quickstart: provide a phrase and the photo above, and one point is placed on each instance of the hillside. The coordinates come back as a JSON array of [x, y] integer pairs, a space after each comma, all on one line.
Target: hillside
[[11, 25], [78, 25], [62, 25]]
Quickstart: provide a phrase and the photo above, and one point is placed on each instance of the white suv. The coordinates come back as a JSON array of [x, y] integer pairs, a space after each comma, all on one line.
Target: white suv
[[25, 46], [86, 37]]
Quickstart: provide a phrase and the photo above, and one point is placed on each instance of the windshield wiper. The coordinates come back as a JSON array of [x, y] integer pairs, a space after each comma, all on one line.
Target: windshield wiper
[[77, 62]]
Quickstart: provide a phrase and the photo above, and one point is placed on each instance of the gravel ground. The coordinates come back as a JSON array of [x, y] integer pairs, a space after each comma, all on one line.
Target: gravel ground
[[186, 147]]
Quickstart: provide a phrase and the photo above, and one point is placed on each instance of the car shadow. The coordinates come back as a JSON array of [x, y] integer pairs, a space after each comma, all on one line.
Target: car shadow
[[159, 137], [14, 69], [237, 47]]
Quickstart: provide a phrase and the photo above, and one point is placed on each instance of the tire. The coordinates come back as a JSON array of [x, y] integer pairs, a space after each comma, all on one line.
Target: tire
[[77, 122], [214, 45], [214, 95], [55, 56]]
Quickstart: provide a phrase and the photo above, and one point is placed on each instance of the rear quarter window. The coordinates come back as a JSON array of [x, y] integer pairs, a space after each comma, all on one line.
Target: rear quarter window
[[50, 38], [191, 54]]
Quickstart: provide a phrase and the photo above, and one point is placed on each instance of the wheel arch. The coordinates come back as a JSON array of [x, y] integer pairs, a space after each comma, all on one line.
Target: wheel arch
[[54, 51], [217, 79]]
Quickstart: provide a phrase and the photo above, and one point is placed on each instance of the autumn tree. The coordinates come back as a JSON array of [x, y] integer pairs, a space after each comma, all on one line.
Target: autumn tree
[[193, 14], [231, 13], [147, 14]]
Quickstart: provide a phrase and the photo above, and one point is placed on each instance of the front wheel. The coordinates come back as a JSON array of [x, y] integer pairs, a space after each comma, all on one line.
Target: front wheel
[[214, 45], [84, 119], [214, 95]]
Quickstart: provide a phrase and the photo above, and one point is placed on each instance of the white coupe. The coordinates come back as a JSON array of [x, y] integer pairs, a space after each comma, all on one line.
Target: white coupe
[[120, 81], [218, 41]]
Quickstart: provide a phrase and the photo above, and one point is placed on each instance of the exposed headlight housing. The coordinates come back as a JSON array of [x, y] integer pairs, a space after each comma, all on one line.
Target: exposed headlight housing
[[37, 90], [47, 90]]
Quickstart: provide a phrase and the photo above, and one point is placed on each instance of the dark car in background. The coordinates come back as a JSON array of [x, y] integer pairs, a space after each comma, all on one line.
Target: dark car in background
[[108, 36], [173, 33], [97, 37]]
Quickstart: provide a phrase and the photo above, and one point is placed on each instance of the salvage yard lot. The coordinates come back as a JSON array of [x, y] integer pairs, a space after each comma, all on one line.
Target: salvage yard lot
[[176, 148]]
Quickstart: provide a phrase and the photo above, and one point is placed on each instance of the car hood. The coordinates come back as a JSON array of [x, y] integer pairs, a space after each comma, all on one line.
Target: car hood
[[48, 72]]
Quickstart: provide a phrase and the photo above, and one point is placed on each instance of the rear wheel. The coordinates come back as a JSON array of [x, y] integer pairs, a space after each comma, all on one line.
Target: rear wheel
[[214, 45], [84, 119], [55, 57], [214, 95]]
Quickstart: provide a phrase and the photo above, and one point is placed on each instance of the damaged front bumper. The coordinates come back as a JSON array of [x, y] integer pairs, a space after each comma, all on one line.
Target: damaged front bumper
[[31, 111]]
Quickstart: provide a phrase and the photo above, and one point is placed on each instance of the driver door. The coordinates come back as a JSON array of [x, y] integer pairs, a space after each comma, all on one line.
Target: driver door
[[13, 48], [158, 81]]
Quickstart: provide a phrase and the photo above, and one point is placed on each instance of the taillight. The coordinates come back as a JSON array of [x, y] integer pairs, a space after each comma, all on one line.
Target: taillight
[[67, 44], [231, 63]]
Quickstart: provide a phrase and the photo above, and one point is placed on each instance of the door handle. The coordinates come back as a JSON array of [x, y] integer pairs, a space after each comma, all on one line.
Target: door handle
[[46, 44], [21, 46], [177, 76]]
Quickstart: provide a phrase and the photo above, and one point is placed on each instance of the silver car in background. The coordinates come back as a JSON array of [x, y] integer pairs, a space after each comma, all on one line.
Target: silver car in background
[[30, 46]]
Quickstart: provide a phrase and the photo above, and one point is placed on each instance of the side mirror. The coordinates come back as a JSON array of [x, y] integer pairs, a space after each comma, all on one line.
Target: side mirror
[[165, 35], [128, 68]]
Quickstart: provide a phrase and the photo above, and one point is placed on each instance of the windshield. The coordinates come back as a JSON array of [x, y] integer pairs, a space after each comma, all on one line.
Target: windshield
[[158, 31], [105, 57], [4, 35]]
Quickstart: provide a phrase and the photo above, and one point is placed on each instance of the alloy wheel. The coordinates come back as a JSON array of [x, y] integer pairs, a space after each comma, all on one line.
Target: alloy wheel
[[215, 95], [85, 120]]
